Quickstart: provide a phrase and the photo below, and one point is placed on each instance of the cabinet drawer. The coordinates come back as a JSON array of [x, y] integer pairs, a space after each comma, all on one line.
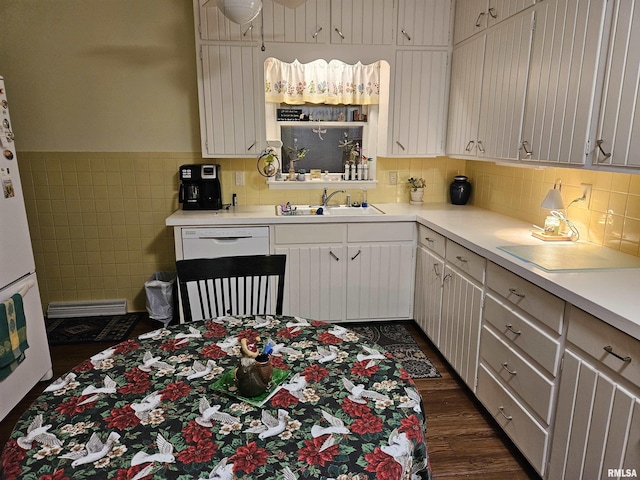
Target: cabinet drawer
[[325, 233], [517, 373], [592, 335], [526, 433], [544, 349], [537, 302], [431, 240], [380, 232], [467, 261]]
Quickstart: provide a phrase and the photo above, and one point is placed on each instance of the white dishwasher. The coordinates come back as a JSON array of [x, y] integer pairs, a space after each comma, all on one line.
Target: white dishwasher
[[213, 242]]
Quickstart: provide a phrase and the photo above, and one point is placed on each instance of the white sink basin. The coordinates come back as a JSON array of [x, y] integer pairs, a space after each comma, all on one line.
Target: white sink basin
[[331, 210]]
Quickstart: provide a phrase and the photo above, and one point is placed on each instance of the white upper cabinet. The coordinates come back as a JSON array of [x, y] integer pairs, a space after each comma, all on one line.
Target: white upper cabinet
[[229, 86], [562, 80], [499, 10], [618, 138], [424, 23], [213, 26], [473, 16], [420, 103], [362, 22], [308, 23]]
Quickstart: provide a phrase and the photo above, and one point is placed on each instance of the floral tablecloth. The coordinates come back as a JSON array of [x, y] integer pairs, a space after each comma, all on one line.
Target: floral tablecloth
[[146, 409]]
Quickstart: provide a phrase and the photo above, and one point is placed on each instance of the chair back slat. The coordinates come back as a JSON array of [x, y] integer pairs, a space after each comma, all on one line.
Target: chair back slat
[[214, 287]]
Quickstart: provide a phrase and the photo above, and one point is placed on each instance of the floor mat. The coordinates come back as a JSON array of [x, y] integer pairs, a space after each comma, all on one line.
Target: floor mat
[[116, 328], [397, 340]]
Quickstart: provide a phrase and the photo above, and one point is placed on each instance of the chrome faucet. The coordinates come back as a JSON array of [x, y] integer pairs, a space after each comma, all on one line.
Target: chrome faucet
[[326, 198]]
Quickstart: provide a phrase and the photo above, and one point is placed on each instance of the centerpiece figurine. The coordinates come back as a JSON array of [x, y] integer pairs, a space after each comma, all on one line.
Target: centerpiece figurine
[[254, 372]]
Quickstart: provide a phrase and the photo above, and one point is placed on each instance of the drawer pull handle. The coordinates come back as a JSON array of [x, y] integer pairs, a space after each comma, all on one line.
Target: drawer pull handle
[[469, 145], [435, 269], [505, 365], [429, 239], [515, 292], [446, 277], [461, 259], [479, 18], [501, 412], [334, 256], [609, 349], [510, 328], [354, 257]]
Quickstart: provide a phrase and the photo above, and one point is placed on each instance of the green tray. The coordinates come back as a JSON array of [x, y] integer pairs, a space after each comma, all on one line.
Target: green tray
[[227, 384]]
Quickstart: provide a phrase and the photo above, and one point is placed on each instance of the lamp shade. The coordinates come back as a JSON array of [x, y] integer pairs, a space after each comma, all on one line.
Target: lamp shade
[[553, 200], [240, 11]]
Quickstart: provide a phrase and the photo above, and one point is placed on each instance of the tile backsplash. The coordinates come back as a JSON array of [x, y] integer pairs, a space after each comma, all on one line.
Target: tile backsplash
[[97, 219]]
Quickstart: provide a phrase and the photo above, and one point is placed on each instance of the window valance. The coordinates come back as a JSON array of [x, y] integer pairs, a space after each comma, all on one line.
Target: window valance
[[331, 83]]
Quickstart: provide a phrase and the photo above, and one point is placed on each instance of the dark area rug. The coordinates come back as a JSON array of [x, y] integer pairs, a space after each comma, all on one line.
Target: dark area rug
[[397, 340], [64, 331]]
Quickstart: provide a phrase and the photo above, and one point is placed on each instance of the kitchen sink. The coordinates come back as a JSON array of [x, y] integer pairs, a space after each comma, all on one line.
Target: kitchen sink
[[331, 210]]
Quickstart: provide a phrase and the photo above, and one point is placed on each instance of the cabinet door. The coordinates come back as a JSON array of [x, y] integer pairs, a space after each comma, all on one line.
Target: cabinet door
[[212, 25], [619, 124], [506, 63], [500, 10], [424, 23], [428, 293], [460, 324], [419, 110], [228, 101], [314, 281], [308, 23], [471, 18], [362, 22], [379, 281], [560, 92], [464, 97], [597, 424]]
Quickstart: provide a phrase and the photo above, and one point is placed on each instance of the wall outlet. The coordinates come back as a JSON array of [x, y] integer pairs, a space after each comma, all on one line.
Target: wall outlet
[[586, 195], [239, 178], [393, 178]]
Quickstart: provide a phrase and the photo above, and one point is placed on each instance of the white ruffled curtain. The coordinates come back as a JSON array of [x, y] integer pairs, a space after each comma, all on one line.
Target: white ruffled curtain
[[332, 83]]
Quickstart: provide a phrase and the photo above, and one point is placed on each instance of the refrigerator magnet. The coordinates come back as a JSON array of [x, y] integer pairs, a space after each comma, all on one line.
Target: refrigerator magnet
[[7, 184]]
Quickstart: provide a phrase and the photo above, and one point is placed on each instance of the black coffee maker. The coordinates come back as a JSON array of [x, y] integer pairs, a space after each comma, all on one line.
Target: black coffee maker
[[200, 187]]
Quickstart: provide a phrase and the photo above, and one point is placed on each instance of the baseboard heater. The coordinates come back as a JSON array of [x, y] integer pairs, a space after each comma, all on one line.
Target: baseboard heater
[[86, 309]]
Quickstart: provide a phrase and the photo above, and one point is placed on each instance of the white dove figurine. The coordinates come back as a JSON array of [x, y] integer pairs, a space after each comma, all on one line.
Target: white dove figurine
[[200, 370], [279, 348], [260, 322], [336, 425], [61, 382], [145, 405], [193, 333], [149, 362], [414, 401], [399, 448], [228, 343], [270, 425], [327, 354], [152, 334], [99, 357], [164, 455], [36, 432], [143, 472], [93, 451], [109, 386], [372, 354], [296, 385], [222, 471], [358, 394], [208, 413], [339, 331], [300, 322], [287, 474]]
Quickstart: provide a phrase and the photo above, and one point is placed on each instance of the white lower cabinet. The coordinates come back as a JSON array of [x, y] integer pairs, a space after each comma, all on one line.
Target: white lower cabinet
[[347, 271], [428, 293], [597, 425]]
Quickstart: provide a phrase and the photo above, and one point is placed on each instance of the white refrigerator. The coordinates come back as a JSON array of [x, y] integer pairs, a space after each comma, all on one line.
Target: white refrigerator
[[18, 271]]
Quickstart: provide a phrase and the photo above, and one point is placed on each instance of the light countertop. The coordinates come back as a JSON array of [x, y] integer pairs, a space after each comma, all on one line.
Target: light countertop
[[609, 294]]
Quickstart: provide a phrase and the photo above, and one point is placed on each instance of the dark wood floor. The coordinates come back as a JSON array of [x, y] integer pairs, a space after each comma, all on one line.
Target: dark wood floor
[[463, 440]]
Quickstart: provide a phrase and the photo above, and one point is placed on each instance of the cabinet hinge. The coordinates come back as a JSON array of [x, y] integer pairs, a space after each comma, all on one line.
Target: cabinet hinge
[[562, 362], [533, 22], [587, 148]]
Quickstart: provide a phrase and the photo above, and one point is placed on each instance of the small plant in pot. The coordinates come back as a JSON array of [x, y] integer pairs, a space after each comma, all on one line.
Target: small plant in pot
[[417, 189]]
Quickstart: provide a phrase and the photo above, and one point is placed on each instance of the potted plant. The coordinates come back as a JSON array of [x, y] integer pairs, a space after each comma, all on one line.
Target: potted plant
[[417, 189]]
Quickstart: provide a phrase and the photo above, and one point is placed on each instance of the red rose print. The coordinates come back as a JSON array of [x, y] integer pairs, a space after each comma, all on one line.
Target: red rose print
[[248, 457], [57, 475], [283, 399], [83, 367], [319, 323], [315, 373], [127, 346], [11, 457], [368, 423], [212, 351], [195, 433], [122, 418], [200, 453], [172, 345], [361, 369], [412, 427], [384, 466], [404, 375], [71, 406], [138, 382], [278, 362], [214, 330], [128, 473], [311, 453], [173, 391], [289, 332], [328, 338], [250, 334], [354, 409]]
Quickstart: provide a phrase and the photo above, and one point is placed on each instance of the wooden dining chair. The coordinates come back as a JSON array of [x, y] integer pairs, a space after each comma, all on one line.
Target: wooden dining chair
[[240, 285]]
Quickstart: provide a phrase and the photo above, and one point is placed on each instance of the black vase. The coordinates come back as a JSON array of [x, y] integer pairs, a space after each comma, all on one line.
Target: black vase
[[460, 190]]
